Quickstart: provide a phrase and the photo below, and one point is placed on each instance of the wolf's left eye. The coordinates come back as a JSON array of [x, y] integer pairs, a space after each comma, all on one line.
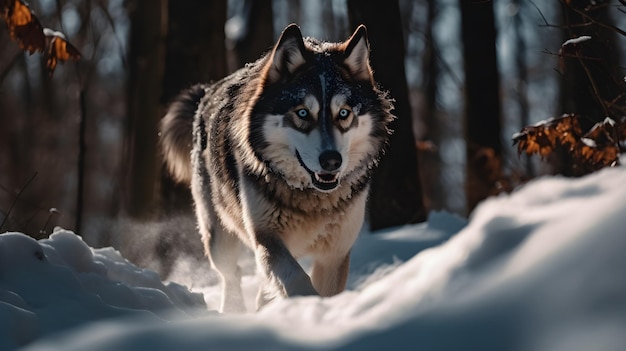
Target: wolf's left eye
[[344, 113], [302, 113]]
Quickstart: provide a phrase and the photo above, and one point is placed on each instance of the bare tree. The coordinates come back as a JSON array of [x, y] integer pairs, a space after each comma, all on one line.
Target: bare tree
[[396, 193], [195, 52], [430, 115], [146, 54], [482, 102], [521, 64]]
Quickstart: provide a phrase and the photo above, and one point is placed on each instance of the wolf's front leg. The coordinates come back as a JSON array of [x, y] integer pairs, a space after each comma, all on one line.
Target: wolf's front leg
[[283, 276], [330, 274]]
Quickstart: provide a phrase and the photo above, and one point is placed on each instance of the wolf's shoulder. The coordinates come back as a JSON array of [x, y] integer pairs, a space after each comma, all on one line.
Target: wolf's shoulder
[[232, 91]]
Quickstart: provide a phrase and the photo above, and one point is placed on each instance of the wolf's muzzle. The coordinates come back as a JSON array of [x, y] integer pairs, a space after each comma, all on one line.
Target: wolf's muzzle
[[327, 180]]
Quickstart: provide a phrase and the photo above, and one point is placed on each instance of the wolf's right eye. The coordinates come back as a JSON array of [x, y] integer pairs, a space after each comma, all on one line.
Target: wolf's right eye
[[302, 113]]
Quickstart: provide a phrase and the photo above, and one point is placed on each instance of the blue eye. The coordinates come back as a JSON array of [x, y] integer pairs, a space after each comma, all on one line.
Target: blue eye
[[302, 113], [344, 113]]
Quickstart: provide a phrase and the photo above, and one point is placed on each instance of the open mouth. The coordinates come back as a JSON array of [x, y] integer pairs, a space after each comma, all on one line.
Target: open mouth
[[323, 181]]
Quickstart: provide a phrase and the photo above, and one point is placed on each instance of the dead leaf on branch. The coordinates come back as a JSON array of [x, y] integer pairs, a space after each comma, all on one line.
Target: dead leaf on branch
[[58, 48], [25, 28], [600, 146], [544, 137], [589, 152]]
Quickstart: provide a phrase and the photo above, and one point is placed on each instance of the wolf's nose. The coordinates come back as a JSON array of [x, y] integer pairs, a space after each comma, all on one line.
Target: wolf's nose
[[330, 160]]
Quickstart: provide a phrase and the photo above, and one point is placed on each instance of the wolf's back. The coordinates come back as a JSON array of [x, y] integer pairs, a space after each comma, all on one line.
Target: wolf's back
[[176, 130]]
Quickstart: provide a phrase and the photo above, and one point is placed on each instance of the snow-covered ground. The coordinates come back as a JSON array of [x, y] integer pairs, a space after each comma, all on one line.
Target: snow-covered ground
[[541, 269]]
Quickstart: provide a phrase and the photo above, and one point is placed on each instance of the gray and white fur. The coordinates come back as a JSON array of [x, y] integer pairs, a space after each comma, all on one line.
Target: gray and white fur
[[279, 156]]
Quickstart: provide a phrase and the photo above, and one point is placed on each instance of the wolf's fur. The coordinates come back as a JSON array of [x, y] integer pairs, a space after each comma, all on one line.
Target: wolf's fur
[[282, 154]]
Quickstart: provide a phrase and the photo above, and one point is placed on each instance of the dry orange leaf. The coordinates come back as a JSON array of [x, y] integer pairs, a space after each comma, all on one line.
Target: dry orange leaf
[[596, 149], [24, 27], [59, 49]]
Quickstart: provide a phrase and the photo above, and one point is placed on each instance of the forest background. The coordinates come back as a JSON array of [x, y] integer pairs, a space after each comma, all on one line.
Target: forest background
[[78, 148]]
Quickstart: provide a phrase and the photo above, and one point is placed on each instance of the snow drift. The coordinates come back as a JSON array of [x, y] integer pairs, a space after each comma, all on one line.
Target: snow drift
[[541, 269]]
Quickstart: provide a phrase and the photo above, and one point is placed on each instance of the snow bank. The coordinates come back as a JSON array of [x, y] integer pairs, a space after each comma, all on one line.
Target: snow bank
[[60, 283], [541, 269]]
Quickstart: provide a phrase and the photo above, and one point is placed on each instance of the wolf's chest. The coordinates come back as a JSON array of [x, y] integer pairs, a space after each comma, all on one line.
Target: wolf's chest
[[325, 233], [306, 222], [307, 234]]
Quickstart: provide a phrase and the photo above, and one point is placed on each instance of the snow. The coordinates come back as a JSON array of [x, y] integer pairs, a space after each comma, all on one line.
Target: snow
[[589, 142], [540, 269], [577, 40]]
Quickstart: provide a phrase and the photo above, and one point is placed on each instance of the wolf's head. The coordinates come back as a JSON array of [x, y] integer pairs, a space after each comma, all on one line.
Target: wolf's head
[[319, 118]]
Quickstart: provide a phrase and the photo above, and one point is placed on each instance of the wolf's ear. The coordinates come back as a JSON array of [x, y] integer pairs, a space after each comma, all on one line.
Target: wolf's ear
[[357, 54], [288, 54]]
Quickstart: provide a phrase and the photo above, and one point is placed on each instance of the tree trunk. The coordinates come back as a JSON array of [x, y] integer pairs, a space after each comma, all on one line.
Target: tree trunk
[[195, 53], [482, 103], [396, 193], [195, 49], [147, 48], [430, 161], [521, 94]]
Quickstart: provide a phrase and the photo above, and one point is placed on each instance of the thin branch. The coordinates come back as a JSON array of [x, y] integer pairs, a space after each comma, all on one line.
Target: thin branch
[[615, 104], [15, 200], [51, 213], [586, 58], [601, 24], [567, 26], [545, 21], [617, 99], [549, 25], [596, 92]]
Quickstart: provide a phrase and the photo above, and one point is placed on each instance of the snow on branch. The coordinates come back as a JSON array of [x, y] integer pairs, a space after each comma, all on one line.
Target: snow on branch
[[578, 40]]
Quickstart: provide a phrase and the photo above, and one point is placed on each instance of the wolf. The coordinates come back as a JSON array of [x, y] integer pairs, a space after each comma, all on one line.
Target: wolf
[[279, 157]]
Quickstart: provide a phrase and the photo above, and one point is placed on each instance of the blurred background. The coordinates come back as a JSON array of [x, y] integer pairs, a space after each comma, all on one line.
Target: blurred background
[[78, 149]]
